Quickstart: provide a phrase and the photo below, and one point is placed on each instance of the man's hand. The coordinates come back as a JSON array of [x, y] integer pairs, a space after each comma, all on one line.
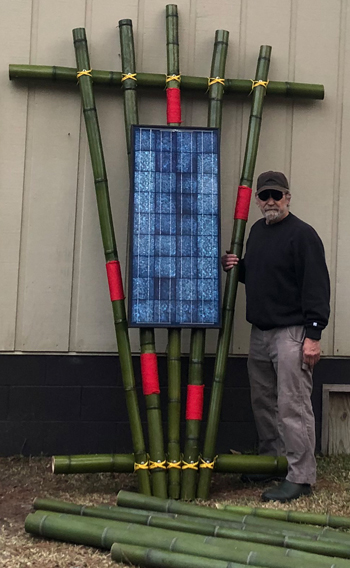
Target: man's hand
[[228, 261], [311, 352]]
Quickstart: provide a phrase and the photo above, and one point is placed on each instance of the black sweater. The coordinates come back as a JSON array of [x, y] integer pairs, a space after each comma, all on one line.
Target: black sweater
[[286, 276]]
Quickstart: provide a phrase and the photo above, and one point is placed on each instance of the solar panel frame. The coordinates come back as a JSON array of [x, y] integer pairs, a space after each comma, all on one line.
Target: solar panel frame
[[167, 205]]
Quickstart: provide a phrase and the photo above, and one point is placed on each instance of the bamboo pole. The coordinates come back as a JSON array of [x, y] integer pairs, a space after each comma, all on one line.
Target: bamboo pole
[[110, 250], [236, 247], [155, 558], [157, 81], [196, 359], [103, 533], [174, 335], [333, 521], [147, 341], [124, 463], [303, 541]]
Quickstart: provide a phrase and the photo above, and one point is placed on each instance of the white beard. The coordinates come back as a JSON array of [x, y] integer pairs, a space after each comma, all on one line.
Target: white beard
[[272, 216]]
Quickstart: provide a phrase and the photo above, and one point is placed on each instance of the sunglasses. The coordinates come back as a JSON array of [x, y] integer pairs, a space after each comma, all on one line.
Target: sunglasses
[[276, 194]]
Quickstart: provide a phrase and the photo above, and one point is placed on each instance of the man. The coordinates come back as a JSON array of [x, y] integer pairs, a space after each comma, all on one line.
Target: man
[[287, 295]]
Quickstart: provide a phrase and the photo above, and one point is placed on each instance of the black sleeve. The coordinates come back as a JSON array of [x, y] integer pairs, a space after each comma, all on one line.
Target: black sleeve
[[241, 274], [313, 281]]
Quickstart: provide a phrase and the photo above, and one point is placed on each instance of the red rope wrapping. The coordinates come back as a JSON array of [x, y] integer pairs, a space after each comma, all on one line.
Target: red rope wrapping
[[149, 373], [243, 202], [173, 109], [194, 405], [115, 282]]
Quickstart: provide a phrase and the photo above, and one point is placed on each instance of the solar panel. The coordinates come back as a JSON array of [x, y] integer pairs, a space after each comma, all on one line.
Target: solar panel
[[175, 245]]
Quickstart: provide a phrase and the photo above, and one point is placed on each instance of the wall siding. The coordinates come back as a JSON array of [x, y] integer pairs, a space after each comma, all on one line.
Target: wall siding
[[54, 293]]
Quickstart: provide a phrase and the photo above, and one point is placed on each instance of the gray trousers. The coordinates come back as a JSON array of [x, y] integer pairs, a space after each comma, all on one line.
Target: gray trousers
[[281, 386]]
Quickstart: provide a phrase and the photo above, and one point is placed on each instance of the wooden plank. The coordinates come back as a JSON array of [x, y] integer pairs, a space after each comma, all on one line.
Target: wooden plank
[[13, 115], [315, 126], [340, 256], [264, 23], [92, 327], [339, 423], [48, 223]]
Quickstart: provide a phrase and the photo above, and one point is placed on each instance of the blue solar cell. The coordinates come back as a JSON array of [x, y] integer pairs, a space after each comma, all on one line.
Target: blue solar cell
[[142, 311], [175, 240], [165, 266], [165, 182], [143, 266]]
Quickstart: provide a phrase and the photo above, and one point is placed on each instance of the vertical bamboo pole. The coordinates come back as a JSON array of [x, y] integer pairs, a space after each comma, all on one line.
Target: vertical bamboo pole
[[147, 342], [196, 359], [251, 150], [174, 335], [110, 250]]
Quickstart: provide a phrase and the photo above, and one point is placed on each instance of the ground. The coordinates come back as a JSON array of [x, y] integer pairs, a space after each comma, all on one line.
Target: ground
[[23, 479]]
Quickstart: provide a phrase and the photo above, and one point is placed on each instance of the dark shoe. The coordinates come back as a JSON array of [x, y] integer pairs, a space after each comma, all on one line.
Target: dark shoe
[[259, 477], [286, 491]]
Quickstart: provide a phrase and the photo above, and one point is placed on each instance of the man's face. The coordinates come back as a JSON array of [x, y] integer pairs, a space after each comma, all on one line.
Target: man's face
[[273, 204]]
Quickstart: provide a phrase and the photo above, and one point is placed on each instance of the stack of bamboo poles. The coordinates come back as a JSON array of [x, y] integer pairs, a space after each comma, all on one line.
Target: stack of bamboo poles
[[160, 473], [192, 536]]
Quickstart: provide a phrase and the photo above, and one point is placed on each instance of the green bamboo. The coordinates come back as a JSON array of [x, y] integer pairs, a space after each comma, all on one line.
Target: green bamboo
[[236, 247], [121, 463], [327, 520], [137, 501], [143, 556], [103, 533], [124, 463], [191, 453], [174, 335], [157, 81], [110, 249], [302, 541], [147, 341]]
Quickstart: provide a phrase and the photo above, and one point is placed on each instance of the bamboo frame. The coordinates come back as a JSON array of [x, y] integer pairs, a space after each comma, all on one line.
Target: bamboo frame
[[232, 277], [147, 341], [174, 335], [112, 79], [110, 249], [197, 350]]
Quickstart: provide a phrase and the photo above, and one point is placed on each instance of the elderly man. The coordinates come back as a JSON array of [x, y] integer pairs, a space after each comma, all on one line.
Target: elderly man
[[287, 295]]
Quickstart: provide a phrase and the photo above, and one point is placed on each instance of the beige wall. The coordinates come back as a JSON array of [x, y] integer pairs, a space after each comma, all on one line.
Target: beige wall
[[53, 289]]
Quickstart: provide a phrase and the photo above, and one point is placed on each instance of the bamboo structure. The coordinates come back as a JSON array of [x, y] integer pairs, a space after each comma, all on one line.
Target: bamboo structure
[[174, 335], [258, 96], [237, 87], [196, 359], [110, 249], [147, 341], [102, 533], [124, 463]]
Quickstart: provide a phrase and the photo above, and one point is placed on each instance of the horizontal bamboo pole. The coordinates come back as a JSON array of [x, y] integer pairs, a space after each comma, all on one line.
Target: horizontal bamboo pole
[[124, 463], [293, 516], [103, 533], [155, 558], [303, 541], [157, 81]]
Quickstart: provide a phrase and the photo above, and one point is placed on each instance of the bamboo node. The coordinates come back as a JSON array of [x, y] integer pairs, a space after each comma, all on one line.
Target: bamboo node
[[174, 465], [155, 465], [213, 80], [173, 78], [193, 465], [86, 72], [126, 76], [258, 84], [143, 465], [206, 464]]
